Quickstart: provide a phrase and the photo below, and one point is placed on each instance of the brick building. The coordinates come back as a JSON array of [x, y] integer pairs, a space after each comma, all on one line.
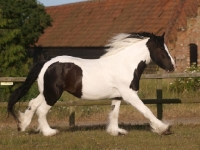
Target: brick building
[[83, 29]]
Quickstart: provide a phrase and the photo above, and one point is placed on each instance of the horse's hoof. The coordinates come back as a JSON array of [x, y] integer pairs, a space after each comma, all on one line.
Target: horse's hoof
[[50, 132], [167, 132], [122, 132], [18, 128]]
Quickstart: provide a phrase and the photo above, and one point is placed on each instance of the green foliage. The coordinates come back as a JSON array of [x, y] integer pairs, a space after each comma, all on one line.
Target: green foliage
[[187, 84], [21, 24], [6, 90]]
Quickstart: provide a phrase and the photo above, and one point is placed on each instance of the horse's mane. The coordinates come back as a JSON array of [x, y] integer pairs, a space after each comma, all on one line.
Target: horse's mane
[[123, 40]]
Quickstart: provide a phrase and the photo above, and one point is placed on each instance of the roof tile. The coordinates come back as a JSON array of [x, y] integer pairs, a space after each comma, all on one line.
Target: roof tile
[[91, 24]]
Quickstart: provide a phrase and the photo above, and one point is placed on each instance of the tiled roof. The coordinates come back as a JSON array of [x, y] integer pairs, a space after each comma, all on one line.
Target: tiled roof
[[92, 24]]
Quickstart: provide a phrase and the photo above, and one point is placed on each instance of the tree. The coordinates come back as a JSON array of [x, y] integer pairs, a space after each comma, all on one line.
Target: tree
[[21, 24]]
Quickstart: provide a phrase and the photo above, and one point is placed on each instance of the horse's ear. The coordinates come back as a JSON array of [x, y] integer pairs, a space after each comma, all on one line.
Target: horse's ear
[[163, 35], [152, 35]]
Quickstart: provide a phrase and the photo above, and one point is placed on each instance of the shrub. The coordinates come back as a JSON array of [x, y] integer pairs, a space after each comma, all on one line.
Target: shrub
[[187, 84], [6, 91]]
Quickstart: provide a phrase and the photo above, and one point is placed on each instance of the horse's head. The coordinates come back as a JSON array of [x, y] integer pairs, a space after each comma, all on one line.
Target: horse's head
[[159, 53]]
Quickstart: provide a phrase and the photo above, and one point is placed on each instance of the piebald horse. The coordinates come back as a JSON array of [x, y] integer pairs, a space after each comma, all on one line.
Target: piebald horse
[[114, 75]]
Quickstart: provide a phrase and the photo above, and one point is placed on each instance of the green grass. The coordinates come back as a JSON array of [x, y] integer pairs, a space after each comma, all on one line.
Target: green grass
[[148, 90], [91, 120], [94, 138], [87, 136]]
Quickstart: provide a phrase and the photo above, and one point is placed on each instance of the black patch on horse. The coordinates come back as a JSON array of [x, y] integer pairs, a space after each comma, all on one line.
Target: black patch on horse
[[136, 75], [61, 77], [158, 53], [156, 48]]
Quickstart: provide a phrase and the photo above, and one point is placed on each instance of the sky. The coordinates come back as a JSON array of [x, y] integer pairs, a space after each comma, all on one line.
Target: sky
[[58, 2]]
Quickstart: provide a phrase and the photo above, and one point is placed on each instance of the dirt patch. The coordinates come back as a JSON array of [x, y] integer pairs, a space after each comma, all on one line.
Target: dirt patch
[[10, 123], [176, 121]]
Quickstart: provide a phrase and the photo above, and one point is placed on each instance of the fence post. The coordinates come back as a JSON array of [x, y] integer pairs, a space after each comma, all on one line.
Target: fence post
[[71, 116], [159, 104]]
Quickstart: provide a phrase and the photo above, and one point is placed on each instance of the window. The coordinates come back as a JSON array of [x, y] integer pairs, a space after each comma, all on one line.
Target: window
[[193, 53]]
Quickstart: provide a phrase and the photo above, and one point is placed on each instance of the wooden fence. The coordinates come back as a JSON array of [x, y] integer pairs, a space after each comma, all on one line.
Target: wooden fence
[[159, 101]]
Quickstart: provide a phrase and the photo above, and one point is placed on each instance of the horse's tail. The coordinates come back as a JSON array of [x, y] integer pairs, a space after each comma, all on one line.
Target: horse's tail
[[24, 88]]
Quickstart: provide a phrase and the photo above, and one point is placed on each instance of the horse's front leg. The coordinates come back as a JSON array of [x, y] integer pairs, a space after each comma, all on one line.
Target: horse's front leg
[[113, 127], [131, 97]]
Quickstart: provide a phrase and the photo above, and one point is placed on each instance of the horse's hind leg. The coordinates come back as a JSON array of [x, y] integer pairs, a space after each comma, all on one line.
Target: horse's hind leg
[[43, 124], [25, 118], [113, 127], [51, 95]]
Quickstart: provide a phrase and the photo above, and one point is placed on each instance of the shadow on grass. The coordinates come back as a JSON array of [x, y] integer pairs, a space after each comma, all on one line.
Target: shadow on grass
[[128, 127]]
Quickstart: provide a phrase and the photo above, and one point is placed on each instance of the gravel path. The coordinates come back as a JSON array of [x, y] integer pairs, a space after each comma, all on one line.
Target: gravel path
[[177, 121], [65, 123]]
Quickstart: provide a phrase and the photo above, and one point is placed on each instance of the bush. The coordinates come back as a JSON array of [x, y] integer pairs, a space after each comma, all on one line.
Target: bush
[[6, 91], [187, 84]]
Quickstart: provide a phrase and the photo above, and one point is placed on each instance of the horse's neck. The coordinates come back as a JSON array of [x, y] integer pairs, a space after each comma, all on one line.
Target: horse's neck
[[133, 54]]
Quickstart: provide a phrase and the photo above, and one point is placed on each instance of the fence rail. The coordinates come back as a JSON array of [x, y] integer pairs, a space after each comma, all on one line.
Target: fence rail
[[170, 75], [144, 76], [12, 79], [159, 101], [71, 104], [103, 102]]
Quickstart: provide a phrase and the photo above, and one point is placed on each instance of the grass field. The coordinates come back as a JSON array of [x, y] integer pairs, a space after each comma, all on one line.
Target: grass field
[[94, 138], [89, 134]]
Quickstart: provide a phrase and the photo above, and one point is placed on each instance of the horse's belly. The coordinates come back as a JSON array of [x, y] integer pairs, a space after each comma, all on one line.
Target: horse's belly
[[99, 93]]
